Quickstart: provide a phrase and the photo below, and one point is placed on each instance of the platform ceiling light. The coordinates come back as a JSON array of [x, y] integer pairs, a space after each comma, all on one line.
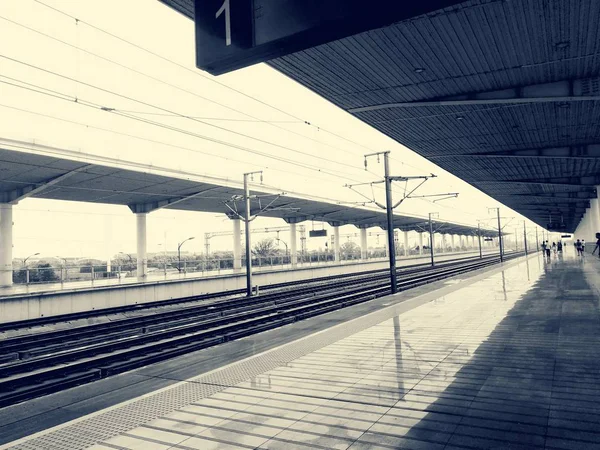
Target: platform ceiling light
[[562, 44], [419, 69], [460, 118]]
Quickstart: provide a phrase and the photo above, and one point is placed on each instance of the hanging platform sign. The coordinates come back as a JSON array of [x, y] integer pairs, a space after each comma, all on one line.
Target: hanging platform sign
[[231, 34], [317, 233], [556, 227]]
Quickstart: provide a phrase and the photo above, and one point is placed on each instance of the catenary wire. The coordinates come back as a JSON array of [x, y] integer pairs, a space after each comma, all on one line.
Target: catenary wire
[[213, 80]]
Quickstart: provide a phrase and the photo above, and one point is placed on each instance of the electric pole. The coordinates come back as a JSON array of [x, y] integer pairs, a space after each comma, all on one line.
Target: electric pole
[[389, 206], [390, 222], [525, 237], [389, 209], [499, 234], [479, 238], [431, 240], [247, 217], [248, 240]]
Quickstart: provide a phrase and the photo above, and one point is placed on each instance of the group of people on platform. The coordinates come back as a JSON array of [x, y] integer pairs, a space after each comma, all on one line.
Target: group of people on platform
[[548, 249], [579, 245]]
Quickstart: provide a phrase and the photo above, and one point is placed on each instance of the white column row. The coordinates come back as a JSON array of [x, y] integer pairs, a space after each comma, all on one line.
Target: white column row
[[6, 244], [589, 226]]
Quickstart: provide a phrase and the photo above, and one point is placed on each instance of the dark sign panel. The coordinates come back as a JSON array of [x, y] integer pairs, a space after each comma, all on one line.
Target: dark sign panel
[[566, 236], [488, 239], [556, 227], [231, 34], [317, 233]]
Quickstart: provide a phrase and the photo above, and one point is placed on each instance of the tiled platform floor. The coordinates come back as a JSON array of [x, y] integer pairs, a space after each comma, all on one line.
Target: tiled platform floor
[[510, 361]]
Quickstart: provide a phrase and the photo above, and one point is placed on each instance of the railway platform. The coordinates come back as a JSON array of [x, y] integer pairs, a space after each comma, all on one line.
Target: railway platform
[[503, 357]]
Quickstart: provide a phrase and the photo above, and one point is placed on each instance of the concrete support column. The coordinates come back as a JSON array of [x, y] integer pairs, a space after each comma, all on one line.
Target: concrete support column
[[142, 256], [595, 211], [363, 244], [6, 244], [452, 242], [336, 244], [406, 243], [420, 243], [237, 244], [293, 245]]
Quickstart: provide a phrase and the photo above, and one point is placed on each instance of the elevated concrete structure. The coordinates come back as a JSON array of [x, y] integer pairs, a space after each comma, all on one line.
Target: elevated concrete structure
[[15, 304], [32, 170]]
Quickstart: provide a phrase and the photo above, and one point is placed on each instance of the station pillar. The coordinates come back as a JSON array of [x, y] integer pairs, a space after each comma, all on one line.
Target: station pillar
[[142, 256], [595, 209], [406, 251], [237, 244], [420, 243], [452, 242], [293, 246], [363, 244], [336, 244], [6, 244]]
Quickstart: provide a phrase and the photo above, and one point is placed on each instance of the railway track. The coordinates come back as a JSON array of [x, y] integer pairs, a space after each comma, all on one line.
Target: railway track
[[41, 363]]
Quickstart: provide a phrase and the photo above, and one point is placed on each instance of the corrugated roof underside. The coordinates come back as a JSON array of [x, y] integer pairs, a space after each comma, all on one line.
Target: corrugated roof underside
[[481, 46]]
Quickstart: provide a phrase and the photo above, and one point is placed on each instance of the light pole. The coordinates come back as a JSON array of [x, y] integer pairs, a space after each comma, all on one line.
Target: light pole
[[284, 243], [64, 267], [179, 252], [26, 269]]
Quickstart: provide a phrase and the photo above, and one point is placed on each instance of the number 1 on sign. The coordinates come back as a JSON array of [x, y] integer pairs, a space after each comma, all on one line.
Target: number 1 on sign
[[225, 8]]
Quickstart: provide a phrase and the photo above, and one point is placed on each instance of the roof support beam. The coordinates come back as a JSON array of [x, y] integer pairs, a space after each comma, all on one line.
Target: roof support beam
[[153, 206], [565, 211], [561, 91], [563, 196], [591, 180], [590, 151], [21, 193], [558, 204]]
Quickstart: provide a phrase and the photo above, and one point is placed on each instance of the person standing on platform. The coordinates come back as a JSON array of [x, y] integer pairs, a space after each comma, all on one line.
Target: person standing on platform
[[582, 247], [548, 249], [554, 248], [578, 247], [559, 246], [597, 247]]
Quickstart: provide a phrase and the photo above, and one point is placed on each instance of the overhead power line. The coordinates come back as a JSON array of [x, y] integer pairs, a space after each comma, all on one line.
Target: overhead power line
[[212, 80], [141, 102], [158, 80]]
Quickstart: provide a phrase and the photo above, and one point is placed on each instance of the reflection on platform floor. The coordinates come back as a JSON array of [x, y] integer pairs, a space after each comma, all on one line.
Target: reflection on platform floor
[[511, 361]]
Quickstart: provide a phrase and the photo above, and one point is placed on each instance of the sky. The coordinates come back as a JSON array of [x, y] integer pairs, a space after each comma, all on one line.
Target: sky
[[120, 81]]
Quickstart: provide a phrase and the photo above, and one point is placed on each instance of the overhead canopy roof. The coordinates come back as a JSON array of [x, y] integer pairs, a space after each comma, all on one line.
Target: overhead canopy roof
[[30, 170], [503, 94]]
